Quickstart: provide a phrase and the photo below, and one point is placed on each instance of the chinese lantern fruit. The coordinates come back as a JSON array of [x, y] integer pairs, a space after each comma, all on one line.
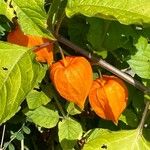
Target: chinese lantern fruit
[[72, 77], [42, 54], [108, 97]]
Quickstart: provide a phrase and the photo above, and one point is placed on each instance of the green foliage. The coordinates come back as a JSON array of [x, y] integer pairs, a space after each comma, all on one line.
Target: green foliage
[[72, 109], [115, 140], [6, 10], [126, 12], [11, 147], [77, 29], [32, 17], [69, 131], [139, 62], [18, 75], [43, 117], [34, 113], [129, 118], [37, 98], [26, 130], [108, 35]]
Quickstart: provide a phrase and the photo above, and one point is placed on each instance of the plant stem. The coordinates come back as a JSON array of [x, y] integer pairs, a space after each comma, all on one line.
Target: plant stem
[[56, 97], [140, 127], [22, 144], [104, 64], [59, 106], [3, 134], [59, 23], [63, 57], [13, 138], [41, 46], [113, 70]]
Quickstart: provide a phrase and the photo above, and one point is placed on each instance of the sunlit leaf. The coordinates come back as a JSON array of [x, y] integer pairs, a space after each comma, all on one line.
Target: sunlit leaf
[[6, 10], [43, 117], [126, 12], [32, 17], [140, 61], [18, 75], [116, 140], [69, 131], [37, 98], [72, 109]]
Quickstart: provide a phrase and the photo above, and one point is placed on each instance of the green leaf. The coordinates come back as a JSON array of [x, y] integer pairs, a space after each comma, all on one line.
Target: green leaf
[[108, 35], [126, 12], [18, 76], [129, 118], [26, 130], [19, 136], [140, 61], [117, 140], [43, 117], [52, 13], [36, 99], [69, 131], [72, 109], [77, 29], [11, 146], [136, 97], [32, 17], [6, 10]]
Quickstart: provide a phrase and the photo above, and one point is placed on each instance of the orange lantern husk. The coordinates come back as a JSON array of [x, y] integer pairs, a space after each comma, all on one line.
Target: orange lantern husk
[[72, 79], [108, 97], [44, 54]]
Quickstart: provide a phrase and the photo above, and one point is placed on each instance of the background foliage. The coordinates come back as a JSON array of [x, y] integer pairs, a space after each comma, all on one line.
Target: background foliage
[[35, 116]]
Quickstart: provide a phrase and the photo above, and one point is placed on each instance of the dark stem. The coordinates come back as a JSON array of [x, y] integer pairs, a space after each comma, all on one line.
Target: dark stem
[[108, 67], [104, 64], [12, 138], [113, 70]]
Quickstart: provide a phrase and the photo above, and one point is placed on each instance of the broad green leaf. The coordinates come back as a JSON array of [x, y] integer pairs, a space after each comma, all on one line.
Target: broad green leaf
[[129, 118], [37, 98], [69, 132], [109, 35], [72, 109], [118, 140], [140, 61], [43, 117], [6, 10], [32, 17], [41, 74], [18, 75], [126, 12]]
